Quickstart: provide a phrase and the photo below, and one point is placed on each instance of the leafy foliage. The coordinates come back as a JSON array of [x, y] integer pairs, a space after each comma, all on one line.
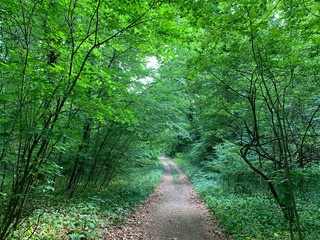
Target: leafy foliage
[[90, 215], [235, 87], [247, 215], [71, 84], [250, 75]]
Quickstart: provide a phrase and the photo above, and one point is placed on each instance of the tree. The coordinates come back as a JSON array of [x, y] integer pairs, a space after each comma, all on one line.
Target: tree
[[62, 85], [255, 67]]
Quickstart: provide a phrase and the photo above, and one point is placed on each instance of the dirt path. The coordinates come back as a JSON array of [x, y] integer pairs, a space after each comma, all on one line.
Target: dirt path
[[173, 211]]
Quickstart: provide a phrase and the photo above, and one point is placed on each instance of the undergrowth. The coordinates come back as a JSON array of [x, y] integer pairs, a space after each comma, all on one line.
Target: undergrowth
[[88, 215], [249, 216], [175, 173]]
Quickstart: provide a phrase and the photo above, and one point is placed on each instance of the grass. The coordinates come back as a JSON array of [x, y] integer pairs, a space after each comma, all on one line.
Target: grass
[[175, 174], [89, 215], [250, 216]]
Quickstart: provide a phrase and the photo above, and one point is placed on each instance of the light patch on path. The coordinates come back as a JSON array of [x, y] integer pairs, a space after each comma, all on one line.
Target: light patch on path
[[173, 212]]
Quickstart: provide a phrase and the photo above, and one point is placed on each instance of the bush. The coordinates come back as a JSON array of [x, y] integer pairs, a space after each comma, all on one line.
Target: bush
[[253, 215], [88, 215]]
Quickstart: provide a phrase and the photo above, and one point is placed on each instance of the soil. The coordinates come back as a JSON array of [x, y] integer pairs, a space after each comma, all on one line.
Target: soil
[[173, 211]]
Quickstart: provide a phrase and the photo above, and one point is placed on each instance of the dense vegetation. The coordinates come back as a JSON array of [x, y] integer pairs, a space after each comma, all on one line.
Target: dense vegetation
[[242, 203], [92, 91], [89, 215]]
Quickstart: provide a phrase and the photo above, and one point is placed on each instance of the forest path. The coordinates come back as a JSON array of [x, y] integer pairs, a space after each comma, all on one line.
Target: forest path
[[172, 211]]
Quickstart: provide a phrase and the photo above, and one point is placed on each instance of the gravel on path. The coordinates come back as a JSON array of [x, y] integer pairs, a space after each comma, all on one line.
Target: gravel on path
[[173, 211]]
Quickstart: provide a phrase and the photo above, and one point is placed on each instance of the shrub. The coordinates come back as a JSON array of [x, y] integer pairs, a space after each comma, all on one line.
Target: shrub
[[89, 214]]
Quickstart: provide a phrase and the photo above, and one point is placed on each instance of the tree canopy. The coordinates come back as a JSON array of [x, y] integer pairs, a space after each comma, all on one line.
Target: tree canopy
[[91, 88]]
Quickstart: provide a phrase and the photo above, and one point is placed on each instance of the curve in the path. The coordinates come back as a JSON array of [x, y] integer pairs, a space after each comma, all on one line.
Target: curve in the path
[[173, 211]]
